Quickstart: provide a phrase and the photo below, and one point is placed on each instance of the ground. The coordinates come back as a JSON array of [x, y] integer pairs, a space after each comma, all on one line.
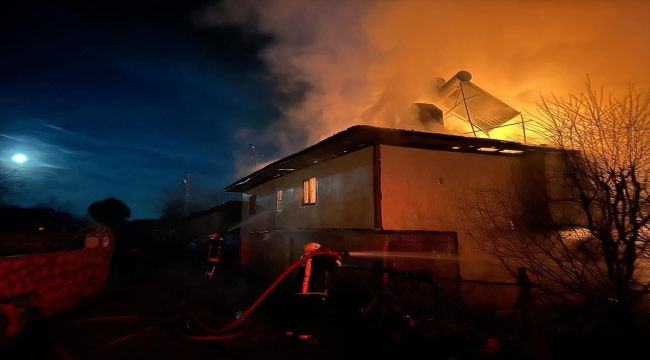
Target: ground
[[156, 289]]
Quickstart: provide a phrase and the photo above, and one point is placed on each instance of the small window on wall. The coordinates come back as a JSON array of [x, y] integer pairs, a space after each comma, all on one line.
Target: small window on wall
[[278, 200], [252, 205], [570, 179], [309, 191]]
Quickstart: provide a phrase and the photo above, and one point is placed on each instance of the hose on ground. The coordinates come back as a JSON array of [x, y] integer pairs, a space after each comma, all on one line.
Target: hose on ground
[[216, 334], [119, 340], [270, 288]]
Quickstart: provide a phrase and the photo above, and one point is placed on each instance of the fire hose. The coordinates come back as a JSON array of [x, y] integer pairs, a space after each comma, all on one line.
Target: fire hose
[[216, 334]]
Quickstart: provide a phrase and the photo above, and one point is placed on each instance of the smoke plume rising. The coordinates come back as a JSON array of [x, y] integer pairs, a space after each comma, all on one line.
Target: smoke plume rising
[[365, 62]]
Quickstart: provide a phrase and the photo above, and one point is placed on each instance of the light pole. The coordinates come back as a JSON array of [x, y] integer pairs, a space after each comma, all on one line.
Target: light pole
[[186, 184], [252, 147]]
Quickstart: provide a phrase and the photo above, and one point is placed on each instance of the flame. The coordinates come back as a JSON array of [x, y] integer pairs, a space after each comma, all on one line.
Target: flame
[[367, 61]]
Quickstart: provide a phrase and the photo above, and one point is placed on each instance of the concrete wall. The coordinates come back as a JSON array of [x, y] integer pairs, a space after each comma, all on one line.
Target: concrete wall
[[344, 199], [36, 285], [430, 190], [425, 189]]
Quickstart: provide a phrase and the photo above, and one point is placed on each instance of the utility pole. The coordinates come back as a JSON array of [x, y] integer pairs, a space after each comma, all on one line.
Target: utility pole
[[252, 147], [186, 184]]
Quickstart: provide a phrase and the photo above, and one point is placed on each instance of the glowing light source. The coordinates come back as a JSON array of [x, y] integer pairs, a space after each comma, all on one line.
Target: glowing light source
[[19, 158], [508, 151], [488, 149]]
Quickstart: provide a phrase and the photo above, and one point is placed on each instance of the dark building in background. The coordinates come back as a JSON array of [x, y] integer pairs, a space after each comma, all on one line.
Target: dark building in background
[[225, 219]]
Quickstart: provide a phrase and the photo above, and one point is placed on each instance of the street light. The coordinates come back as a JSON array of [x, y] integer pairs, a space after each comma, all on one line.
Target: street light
[[252, 147], [186, 182]]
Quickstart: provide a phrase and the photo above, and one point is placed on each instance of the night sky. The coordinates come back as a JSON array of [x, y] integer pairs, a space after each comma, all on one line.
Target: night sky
[[120, 98]]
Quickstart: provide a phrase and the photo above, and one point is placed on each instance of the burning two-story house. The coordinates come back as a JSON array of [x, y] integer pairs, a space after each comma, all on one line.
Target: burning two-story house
[[391, 190]]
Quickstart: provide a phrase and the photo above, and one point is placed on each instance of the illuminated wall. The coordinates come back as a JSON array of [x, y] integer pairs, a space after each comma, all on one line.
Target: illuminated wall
[[564, 208], [344, 197], [430, 190], [424, 189], [421, 190]]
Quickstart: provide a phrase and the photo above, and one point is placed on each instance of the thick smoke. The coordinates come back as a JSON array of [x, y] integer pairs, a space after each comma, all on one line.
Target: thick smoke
[[365, 62]]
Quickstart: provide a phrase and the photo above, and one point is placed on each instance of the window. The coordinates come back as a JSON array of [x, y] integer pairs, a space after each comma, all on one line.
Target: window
[[278, 200], [252, 205], [571, 179], [309, 191], [578, 182]]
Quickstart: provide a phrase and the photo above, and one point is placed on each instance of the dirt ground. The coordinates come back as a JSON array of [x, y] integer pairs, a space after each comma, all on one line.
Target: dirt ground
[[156, 289]]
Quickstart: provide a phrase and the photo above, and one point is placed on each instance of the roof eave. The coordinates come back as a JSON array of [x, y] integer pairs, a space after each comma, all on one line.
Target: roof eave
[[370, 136]]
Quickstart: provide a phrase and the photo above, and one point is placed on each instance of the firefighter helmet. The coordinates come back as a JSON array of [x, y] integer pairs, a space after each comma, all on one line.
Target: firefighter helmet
[[310, 247]]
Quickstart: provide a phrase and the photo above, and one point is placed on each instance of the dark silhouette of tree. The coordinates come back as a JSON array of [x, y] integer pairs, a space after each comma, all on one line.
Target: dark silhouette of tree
[[596, 247], [609, 180], [109, 212]]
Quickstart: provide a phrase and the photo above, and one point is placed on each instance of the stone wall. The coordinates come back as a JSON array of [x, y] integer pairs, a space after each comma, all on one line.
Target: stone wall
[[37, 285]]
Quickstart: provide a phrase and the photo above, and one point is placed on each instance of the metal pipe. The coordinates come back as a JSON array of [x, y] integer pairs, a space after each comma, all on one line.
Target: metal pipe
[[462, 92], [523, 126], [449, 87]]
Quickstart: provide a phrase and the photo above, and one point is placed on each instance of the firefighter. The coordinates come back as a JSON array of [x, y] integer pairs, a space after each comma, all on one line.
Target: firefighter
[[311, 292], [214, 254]]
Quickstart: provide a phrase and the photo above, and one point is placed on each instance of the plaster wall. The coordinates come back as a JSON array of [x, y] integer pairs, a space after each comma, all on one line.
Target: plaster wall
[[344, 197]]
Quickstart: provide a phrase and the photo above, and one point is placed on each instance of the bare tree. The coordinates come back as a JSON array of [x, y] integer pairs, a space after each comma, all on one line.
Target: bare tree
[[594, 243]]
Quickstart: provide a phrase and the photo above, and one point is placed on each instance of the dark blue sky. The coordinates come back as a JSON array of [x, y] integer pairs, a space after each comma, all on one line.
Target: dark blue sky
[[120, 98]]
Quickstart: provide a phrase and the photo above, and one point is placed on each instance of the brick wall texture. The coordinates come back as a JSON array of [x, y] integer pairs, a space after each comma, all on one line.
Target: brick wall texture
[[37, 285]]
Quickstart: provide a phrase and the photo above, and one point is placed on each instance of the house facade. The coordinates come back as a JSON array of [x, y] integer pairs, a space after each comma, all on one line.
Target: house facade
[[387, 190]]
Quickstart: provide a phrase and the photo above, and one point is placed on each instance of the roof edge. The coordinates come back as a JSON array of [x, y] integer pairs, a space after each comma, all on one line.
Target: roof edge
[[297, 154], [380, 135]]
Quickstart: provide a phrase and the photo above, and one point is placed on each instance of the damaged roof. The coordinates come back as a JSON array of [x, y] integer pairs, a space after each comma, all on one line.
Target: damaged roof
[[361, 136]]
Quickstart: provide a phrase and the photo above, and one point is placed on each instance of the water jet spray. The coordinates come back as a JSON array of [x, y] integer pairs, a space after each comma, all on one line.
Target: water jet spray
[[403, 255]]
